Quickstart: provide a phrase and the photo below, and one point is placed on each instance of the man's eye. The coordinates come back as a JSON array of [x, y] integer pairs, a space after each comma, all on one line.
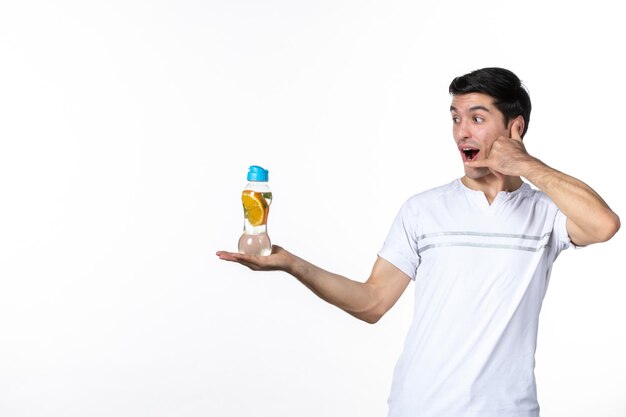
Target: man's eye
[[455, 119], [478, 119]]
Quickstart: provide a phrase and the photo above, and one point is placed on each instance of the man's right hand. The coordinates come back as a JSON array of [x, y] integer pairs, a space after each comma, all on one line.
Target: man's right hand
[[277, 260]]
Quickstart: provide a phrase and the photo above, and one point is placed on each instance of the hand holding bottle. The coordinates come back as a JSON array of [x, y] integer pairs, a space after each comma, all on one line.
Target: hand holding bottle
[[278, 260]]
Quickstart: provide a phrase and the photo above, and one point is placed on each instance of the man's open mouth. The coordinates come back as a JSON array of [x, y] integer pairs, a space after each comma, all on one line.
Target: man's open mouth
[[469, 153]]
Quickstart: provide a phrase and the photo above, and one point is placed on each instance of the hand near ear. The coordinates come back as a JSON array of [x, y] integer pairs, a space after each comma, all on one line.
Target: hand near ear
[[507, 156]]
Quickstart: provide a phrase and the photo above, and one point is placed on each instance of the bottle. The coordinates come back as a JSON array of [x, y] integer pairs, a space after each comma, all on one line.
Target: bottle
[[256, 199]]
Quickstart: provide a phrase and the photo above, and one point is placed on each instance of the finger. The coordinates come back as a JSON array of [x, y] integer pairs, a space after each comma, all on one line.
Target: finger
[[222, 254], [253, 262], [516, 130], [228, 256], [499, 175], [485, 163], [477, 164], [234, 256]]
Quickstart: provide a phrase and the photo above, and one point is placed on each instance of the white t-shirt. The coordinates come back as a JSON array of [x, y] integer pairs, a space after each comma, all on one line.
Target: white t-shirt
[[481, 272]]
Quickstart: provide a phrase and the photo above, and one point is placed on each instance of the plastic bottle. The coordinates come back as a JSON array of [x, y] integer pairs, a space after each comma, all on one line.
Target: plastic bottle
[[256, 199]]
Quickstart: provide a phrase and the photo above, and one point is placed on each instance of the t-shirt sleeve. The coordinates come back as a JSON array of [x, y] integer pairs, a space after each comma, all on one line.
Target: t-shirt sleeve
[[400, 247], [562, 240]]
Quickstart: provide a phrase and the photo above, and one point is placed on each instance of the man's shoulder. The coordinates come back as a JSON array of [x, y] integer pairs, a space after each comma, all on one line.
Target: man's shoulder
[[436, 193]]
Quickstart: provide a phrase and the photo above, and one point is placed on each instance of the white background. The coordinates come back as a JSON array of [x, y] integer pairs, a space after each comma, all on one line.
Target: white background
[[126, 131]]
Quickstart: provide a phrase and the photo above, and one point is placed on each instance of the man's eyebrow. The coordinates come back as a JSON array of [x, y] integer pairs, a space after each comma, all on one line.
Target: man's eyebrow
[[479, 108], [474, 108]]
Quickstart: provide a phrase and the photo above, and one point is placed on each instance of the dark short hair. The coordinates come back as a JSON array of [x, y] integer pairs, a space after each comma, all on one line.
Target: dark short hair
[[509, 94]]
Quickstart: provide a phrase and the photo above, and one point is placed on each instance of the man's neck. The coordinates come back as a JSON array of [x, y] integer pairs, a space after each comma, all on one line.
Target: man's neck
[[491, 185]]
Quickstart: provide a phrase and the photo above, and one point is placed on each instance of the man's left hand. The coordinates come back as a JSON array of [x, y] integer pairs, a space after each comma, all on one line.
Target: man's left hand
[[507, 155]]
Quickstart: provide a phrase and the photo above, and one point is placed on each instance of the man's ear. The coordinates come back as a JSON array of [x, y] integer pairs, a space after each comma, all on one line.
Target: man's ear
[[520, 122]]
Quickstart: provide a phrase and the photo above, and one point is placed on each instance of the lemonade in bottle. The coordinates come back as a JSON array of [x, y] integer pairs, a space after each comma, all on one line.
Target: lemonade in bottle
[[256, 199]]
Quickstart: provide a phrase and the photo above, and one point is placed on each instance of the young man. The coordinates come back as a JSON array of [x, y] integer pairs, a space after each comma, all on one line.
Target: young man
[[480, 251]]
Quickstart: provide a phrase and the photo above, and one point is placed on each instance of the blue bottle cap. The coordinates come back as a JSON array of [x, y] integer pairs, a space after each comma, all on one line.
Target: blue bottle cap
[[256, 173]]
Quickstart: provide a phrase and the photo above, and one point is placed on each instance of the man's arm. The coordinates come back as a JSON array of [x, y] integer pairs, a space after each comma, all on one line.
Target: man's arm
[[367, 301], [589, 218]]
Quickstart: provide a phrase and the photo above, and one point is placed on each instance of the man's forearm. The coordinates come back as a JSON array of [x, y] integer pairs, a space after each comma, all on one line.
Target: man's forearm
[[356, 298], [593, 220]]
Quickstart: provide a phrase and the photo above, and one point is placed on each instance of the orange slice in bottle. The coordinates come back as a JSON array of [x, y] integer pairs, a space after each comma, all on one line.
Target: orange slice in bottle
[[254, 207]]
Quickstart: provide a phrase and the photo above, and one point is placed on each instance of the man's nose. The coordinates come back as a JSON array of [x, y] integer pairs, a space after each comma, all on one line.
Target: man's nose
[[462, 130]]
